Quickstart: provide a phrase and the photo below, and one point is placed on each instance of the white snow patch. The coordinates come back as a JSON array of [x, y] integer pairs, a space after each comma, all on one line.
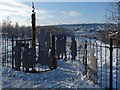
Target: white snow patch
[[67, 75]]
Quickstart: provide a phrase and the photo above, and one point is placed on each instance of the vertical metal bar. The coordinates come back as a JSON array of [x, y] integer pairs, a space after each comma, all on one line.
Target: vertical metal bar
[[5, 50], [12, 52], [117, 66], [96, 50], [101, 63], [105, 67], [96, 47], [111, 58], [96, 55]]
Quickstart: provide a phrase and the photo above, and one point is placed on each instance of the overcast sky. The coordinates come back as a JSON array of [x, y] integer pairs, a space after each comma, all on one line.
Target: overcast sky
[[48, 13]]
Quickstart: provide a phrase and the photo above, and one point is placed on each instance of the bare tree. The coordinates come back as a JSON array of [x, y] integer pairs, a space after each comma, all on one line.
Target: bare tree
[[7, 26], [113, 18], [112, 27], [112, 12]]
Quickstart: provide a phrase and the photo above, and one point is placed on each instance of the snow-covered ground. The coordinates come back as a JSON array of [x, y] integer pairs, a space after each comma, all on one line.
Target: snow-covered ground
[[67, 75]]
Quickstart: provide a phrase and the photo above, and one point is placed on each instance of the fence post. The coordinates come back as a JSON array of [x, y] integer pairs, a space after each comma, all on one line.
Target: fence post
[[86, 57], [117, 68], [5, 51], [111, 57], [54, 62], [101, 64], [12, 52]]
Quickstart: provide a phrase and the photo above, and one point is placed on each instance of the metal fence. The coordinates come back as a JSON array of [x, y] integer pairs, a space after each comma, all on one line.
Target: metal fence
[[107, 61], [105, 58], [6, 49]]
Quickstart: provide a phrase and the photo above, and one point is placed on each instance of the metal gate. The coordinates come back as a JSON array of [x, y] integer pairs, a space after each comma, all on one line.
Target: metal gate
[[17, 53]]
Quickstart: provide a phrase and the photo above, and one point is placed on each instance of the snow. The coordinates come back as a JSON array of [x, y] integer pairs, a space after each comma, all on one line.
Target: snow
[[67, 75]]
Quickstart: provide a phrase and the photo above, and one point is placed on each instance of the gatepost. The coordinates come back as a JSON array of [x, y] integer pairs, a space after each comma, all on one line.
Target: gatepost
[[111, 57], [54, 61]]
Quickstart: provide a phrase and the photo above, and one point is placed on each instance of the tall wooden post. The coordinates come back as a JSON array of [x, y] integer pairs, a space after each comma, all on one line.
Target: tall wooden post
[[33, 29], [111, 57]]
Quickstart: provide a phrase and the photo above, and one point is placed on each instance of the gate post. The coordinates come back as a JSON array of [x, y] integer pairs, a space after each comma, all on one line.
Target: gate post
[[33, 29], [111, 57], [33, 33], [86, 57], [54, 61]]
